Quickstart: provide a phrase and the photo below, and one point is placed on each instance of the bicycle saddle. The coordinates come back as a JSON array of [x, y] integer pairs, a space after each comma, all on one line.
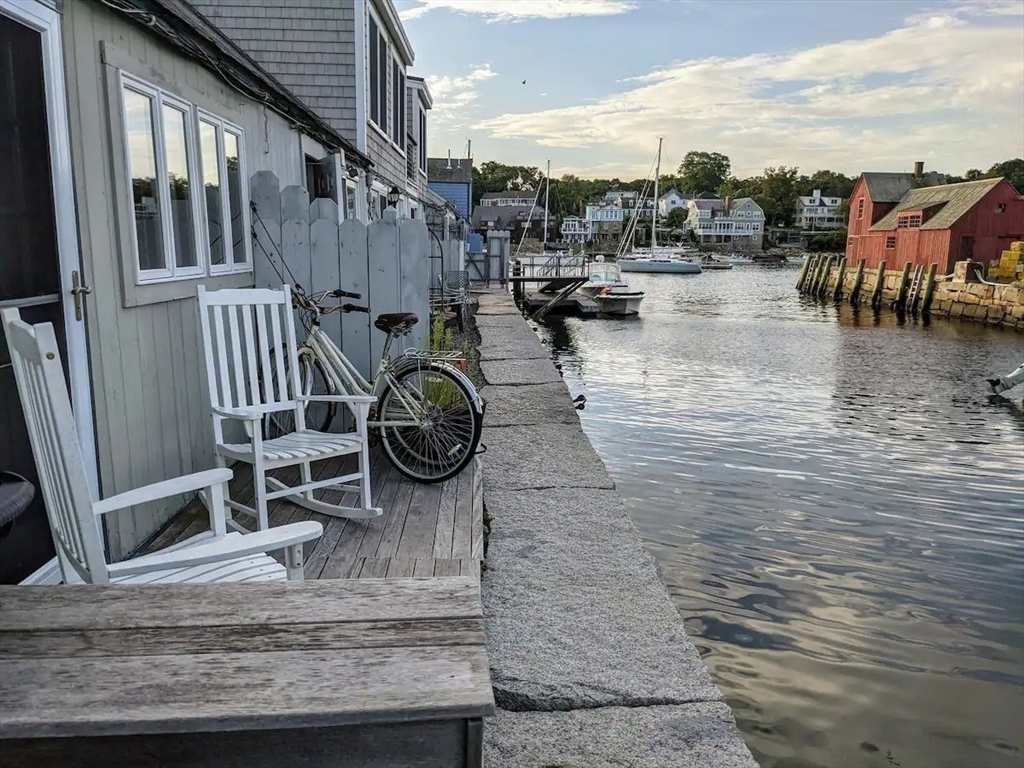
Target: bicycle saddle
[[391, 321]]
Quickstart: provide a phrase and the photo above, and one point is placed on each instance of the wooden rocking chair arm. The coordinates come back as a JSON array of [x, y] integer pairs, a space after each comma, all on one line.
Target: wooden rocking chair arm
[[253, 412], [223, 548], [162, 490], [368, 399]]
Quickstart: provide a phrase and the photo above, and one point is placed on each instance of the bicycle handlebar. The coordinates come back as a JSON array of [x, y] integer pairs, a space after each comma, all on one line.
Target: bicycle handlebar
[[340, 294], [354, 308]]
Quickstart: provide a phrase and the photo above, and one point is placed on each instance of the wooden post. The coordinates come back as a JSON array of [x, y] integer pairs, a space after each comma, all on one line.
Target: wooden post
[[876, 294], [929, 288], [812, 283], [837, 294], [901, 294], [803, 273], [858, 280], [825, 274], [517, 285]]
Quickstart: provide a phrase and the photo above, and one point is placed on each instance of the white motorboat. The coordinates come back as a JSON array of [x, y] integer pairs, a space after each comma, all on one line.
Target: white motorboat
[[610, 292], [739, 259], [664, 264], [711, 261]]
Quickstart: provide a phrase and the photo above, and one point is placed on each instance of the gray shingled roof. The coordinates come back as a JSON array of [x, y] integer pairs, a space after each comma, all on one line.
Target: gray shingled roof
[[438, 170], [955, 199], [502, 215], [517, 193], [887, 187]]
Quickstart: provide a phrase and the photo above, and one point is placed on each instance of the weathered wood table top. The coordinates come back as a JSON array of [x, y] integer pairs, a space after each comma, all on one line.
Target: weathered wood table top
[[174, 659]]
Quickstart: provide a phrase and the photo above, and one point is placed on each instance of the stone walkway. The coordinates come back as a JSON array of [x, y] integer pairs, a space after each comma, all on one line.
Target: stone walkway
[[590, 662]]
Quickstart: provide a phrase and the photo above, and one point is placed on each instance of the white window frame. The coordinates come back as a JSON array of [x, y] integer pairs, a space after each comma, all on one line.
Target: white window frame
[[223, 126], [200, 231], [158, 97]]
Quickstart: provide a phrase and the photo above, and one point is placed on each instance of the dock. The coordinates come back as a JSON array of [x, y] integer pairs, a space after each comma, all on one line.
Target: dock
[[573, 304]]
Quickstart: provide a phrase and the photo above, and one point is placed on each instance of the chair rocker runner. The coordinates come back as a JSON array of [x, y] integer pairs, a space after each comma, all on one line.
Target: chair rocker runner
[[74, 515], [253, 373]]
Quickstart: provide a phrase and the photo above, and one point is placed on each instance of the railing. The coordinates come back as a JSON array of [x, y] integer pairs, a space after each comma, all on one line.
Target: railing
[[545, 268]]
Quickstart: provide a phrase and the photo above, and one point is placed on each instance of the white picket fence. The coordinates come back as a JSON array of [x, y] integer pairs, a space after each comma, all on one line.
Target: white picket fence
[[388, 262]]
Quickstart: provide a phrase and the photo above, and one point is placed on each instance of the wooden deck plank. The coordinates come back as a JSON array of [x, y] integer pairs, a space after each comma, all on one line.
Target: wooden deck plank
[[423, 567], [477, 549], [374, 568], [342, 560], [420, 522], [445, 519], [114, 695], [469, 567], [298, 636], [375, 529], [462, 536], [392, 534], [448, 566], [400, 568], [83, 607]]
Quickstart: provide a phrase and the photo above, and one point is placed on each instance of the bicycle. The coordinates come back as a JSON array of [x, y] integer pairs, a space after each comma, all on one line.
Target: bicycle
[[428, 415]]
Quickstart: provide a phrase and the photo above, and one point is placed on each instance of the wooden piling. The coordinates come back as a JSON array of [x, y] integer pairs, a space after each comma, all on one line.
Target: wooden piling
[[837, 293], [929, 288], [901, 293], [826, 273], [858, 280], [876, 294], [812, 276], [803, 273], [518, 289]]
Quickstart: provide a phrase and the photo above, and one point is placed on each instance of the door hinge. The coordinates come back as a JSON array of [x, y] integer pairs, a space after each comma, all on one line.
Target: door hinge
[[78, 290]]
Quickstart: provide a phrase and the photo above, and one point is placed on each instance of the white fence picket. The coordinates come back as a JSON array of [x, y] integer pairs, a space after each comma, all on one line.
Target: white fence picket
[[265, 193], [354, 263], [295, 236], [385, 274], [414, 278]]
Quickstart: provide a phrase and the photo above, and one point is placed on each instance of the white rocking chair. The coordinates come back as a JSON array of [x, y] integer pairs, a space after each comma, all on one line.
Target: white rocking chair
[[252, 370], [74, 515]]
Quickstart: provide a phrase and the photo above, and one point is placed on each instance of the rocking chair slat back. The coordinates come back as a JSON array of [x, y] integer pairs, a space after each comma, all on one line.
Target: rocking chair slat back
[[249, 339], [39, 374]]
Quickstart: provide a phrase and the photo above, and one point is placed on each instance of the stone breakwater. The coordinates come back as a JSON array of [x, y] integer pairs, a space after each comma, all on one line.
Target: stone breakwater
[[831, 278], [590, 662]]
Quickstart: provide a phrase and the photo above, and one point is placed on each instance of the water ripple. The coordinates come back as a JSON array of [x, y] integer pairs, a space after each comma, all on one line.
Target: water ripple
[[837, 505]]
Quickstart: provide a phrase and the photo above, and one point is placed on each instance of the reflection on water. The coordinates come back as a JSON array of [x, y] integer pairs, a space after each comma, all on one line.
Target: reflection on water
[[838, 507]]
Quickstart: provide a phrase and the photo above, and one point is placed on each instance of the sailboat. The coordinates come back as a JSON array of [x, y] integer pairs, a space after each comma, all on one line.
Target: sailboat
[[665, 260]]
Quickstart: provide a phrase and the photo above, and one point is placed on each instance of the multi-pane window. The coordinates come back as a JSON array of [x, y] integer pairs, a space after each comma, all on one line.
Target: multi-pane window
[[398, 127], [375, 101], [221, 160], [423, 141], [908, 221], [172, 153], [860, 208], [890, 241], [382, 81]]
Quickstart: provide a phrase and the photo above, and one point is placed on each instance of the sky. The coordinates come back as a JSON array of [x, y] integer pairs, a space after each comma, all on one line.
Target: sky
[[848, 85]]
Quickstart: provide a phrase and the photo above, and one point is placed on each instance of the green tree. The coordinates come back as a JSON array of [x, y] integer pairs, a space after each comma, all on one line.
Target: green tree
[[778, 194], [1011, 170], [492, 176], [676, 218], [830, 183], [703, 171]]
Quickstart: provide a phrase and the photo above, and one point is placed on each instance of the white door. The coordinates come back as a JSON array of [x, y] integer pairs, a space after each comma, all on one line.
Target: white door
[[39, 259]]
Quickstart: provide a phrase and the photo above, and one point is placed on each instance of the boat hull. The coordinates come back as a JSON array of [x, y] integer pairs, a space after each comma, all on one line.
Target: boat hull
[[664, 267], [622, 305]]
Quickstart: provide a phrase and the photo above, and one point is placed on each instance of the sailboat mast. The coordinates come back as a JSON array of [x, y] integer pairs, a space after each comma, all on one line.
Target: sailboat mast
[[547, 189], [654, 222]]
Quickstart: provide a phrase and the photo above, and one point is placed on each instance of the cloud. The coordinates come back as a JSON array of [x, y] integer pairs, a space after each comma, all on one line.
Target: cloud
[[452, 94], [934, 88], [518, 10]]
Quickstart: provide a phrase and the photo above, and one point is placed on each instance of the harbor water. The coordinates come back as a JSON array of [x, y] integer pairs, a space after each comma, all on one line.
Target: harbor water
[[837, 505]]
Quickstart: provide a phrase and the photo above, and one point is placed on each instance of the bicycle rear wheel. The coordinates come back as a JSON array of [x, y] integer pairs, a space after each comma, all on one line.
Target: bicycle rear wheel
[[314, 381], [430, 428]]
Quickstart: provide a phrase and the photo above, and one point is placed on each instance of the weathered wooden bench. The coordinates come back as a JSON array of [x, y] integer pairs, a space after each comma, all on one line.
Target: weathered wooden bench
[[329, 673]]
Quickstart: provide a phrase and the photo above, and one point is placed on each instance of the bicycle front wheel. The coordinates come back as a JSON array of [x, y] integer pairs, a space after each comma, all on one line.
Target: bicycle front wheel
[[429, 427]]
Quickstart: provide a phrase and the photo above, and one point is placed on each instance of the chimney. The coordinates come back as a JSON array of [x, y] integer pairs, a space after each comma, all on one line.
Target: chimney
[[449, 159], [728, 200], [918, 170]]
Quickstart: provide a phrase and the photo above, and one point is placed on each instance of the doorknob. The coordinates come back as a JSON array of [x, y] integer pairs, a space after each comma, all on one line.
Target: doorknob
[[78, 290]]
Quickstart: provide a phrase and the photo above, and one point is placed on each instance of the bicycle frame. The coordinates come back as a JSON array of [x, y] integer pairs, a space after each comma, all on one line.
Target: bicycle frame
[[344, 376]]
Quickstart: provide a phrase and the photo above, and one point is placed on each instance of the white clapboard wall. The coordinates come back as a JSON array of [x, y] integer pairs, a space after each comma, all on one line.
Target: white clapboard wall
[[387, 261]]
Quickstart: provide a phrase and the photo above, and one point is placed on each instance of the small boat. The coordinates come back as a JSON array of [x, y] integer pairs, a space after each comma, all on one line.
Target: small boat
[[711, 261], [612, 295], [663, 264], [740, 259]]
